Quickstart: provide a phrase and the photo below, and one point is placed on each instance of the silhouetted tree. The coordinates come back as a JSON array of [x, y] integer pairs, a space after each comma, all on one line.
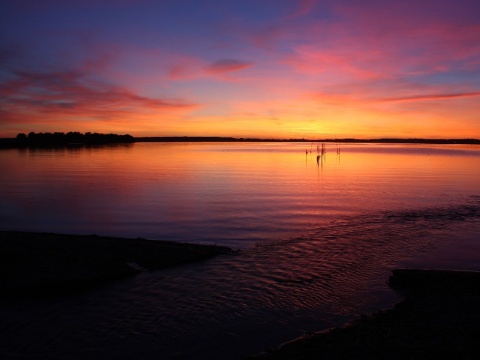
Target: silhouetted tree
[[73, 137], [22, 137]]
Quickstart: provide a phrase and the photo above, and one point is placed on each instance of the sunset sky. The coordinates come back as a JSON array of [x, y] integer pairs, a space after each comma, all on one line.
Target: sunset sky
[[242, 68]]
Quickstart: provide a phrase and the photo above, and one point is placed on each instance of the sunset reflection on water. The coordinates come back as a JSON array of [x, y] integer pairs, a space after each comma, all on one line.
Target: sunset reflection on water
[[234, 193], [316, 241]]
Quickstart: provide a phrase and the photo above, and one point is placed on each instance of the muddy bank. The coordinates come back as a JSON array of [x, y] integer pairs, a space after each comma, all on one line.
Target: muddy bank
[[45, 264], [439, 319]]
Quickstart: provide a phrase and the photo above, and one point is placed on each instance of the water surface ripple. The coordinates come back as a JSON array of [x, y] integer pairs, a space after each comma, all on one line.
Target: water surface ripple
[[239, 304]]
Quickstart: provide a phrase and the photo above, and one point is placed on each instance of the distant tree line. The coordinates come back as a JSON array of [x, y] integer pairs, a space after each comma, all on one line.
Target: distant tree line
[[70, 138], [336, 140]]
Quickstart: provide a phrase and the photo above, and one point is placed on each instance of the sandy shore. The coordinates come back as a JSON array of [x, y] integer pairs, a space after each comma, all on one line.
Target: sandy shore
[[45, 264], [439, 319]]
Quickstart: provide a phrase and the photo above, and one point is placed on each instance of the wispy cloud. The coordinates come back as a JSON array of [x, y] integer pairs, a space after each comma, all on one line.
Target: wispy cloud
[[228, 65], [432, 97], [42, 98], [305, 7]]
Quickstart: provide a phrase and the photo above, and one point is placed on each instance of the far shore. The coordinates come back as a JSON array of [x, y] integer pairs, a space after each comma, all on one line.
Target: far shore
[[45, 264], [334, 140], [13, 143]]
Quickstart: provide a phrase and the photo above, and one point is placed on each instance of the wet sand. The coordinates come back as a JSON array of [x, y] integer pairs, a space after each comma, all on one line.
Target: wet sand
[[439, 319], [45, 264]]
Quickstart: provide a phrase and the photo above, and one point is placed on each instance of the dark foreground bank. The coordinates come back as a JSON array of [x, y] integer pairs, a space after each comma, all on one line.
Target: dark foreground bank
[[44, 264], [439, 319]]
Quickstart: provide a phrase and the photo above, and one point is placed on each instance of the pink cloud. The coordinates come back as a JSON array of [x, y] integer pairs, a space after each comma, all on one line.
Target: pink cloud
[[228, 65], [376, 40], [334, 65], [304, 7], [412, 35], [72, 94], [182, 67], [365, 56], [432, 96]]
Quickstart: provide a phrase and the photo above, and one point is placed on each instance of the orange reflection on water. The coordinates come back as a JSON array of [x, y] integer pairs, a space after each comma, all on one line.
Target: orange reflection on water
[[227, 190]]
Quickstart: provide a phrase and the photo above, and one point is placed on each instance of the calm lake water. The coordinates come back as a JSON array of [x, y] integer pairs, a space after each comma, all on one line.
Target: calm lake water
[[317, 240]]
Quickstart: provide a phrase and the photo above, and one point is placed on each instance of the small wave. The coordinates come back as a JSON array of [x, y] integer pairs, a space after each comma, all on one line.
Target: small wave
[[280, 289], [437, 214]]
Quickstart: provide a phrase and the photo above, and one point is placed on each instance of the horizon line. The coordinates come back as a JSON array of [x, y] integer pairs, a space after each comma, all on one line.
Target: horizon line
[[338, 139]]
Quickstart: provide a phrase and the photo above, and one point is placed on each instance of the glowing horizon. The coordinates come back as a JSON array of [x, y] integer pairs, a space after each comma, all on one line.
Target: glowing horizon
[[257, 69]]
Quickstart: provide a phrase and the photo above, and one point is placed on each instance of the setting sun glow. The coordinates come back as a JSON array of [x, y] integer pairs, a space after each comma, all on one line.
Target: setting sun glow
[[261, 69]]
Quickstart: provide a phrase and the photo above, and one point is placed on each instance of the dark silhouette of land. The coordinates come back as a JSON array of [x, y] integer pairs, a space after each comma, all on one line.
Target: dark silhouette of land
[[439, 319], [336, 140], [43, 264], [60, 139]]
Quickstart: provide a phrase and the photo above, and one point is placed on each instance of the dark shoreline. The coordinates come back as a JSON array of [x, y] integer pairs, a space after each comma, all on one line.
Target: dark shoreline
[[36, 265], [465, 141], [438, 319], [12, 143]]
